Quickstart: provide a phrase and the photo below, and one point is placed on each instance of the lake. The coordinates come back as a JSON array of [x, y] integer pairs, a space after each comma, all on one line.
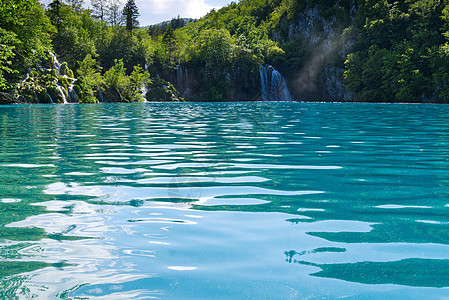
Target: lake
[[224, 201]]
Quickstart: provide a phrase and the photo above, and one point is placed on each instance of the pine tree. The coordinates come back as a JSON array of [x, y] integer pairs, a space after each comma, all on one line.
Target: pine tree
[[169, 39], [55, 7], [130, 13]]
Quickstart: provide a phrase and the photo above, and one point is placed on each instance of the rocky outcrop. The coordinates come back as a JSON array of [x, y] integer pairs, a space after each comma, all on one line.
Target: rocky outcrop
[[326, 46]]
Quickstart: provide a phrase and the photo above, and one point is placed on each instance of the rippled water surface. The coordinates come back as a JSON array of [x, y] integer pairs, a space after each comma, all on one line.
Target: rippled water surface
[[224, 200]]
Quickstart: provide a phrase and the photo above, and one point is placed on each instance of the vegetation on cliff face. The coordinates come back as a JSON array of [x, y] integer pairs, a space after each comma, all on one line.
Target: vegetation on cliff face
[[346, 50], [401, 52]]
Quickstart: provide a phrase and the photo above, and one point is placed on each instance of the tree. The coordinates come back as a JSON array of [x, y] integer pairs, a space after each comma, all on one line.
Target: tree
[[177, 23], [55, 15], [6, 55], [100, 9], [89, 79], [138, 78], [76, 4], [79, 35], [122, 88], [24, 38], [113, 13], [131, 13], [169, 39], [214, 48]]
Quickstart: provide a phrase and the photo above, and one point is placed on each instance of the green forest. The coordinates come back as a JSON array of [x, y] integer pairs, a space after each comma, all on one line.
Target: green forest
[[347, 50]]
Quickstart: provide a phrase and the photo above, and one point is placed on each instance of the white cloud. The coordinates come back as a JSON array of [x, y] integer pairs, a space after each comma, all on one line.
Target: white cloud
[[155, 11], [155, 7]]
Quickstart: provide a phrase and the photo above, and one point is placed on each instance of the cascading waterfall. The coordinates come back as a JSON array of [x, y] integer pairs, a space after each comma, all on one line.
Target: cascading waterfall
[[144, 88], [56, 63], [182, 81], [274, 86], [70, 91], [61, 92]]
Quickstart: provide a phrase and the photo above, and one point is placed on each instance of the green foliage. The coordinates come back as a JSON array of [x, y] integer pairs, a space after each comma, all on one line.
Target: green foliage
[[116, 82], [162, 90], [119, 87], [42, 87], [6, 56], [400, 52], [78, 35], [24, 39], [99, 8], [215, 88], [89, 79], [131, 13], [214, 48]]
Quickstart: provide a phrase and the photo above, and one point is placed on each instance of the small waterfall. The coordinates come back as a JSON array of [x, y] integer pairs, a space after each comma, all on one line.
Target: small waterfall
[[51, 100], [182, 80], [179, 78], [279, 87], [263, 71], [56, 63], [144, 88], [100, 95], [72, 93], [61, 91], [144, 91], [274, 86]]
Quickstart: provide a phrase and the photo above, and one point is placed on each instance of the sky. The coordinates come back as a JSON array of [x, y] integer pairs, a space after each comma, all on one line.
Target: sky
[[156, 11]]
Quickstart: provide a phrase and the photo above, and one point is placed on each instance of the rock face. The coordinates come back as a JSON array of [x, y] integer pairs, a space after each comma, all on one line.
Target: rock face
[[196, 83], [326, 46], [316, 74]]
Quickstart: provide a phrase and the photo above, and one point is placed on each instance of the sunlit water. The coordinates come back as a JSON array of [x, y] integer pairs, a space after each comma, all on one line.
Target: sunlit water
[[224, 200]]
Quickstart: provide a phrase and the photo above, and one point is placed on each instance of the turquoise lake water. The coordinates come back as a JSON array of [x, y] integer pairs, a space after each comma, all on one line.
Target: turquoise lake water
[[224, 201]]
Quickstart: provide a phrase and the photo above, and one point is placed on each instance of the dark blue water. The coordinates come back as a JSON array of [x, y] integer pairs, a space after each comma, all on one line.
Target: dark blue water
[[224, 200]]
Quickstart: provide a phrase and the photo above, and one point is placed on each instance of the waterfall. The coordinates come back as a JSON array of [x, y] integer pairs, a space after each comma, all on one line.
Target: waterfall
[[186, 78], [61, 91], [274, 86], [179, 78], [144, 91], [72, 93], [182, 80], [263, 71], [50, 98], [279, 87], [56, 63], [144, 88], [71, 81], [100, 95]]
